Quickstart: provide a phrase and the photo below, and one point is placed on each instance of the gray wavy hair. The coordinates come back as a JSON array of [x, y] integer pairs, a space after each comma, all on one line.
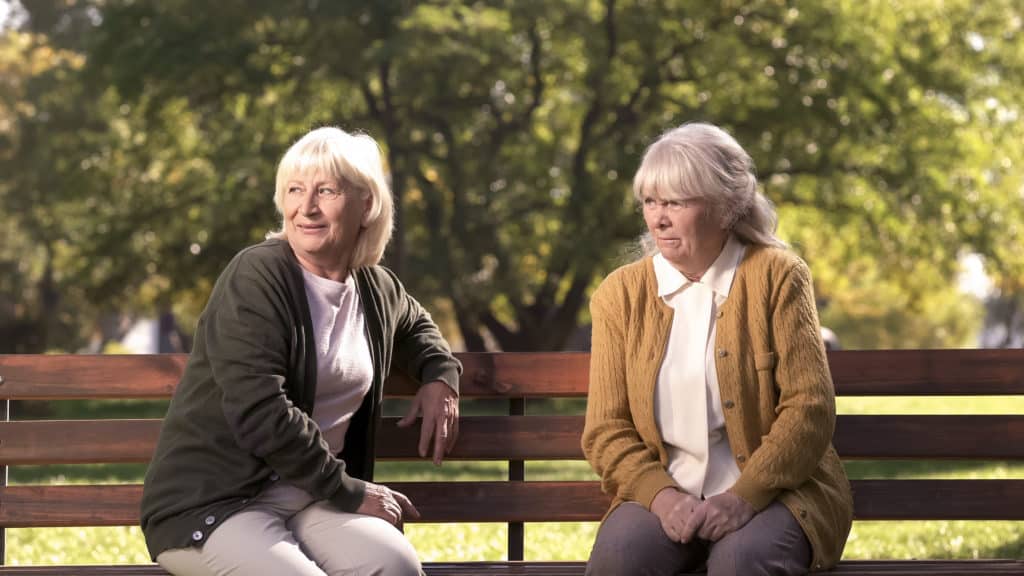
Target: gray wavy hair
[[700, 160]]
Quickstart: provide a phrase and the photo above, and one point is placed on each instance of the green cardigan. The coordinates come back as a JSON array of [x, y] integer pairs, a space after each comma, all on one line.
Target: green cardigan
[[775, 385], [240, 418]]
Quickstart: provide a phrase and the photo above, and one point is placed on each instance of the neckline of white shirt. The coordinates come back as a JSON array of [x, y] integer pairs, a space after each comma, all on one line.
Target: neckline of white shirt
[[718, 277], [332, 290]]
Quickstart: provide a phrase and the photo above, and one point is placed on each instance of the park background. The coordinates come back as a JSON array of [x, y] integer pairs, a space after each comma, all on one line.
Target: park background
[[139, 141]]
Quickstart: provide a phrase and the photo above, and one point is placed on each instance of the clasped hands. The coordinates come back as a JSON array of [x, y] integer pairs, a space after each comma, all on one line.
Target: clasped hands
[[440, 408], [684, 516]]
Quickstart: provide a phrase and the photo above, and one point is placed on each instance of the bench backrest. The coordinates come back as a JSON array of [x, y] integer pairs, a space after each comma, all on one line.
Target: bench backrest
[[517, 437]]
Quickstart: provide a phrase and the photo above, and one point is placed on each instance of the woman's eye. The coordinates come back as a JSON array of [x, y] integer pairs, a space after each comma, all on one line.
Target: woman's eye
[[327, 192], [294, 190], [649, 202]]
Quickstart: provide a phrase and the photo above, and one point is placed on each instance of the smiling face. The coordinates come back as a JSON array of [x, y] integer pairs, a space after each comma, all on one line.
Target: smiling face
[[322, 218], [684, 232]]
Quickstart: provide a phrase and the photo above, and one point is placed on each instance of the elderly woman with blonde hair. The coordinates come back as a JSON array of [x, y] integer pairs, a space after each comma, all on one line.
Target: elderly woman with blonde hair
[[265, 458], [711, 406]]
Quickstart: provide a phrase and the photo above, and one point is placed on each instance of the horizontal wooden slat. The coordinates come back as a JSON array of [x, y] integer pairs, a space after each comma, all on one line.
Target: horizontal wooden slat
[[36, 377], [67, 376], [117, 505], [78, 505], [938, 499], [996, 437], [530, 438], [84, 570], [493, 438], [77, 441], [846, 568], [927, 567], [527, 374], [927, 372], [515, 374]]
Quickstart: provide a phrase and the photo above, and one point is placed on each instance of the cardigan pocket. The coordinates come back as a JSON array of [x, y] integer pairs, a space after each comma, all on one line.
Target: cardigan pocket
[[768, 393], [764, 361]]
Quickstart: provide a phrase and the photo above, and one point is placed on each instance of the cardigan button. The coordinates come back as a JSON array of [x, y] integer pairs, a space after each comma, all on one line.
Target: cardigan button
[[209, 520], [722, 352], [729, 404], [197, 535], [719, 314], [803, 513], [741, 458]]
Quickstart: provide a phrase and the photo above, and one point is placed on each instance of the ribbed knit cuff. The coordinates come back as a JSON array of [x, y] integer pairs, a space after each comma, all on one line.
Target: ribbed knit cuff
[[652, 482], [758, 496]]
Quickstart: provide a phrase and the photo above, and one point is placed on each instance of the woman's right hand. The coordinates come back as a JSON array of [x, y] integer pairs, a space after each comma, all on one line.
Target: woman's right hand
[[387, 504], [673, 507]]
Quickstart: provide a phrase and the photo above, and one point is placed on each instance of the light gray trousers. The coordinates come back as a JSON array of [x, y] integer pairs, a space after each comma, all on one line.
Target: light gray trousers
[[286, 531], [631, 541]]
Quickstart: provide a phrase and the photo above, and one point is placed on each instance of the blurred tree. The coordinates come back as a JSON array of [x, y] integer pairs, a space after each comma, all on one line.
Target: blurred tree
[[44, 127], [885, 131]]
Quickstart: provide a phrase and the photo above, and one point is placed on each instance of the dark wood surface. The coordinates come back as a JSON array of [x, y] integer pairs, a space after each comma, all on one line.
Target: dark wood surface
[[498, 501], [874, 373], [527, 374], [528, 438]]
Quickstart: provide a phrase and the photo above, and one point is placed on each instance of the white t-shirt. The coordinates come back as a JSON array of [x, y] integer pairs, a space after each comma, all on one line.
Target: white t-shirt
[[343, 362]]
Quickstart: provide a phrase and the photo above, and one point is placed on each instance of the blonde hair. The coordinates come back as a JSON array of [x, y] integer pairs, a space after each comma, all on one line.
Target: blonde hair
[[354, 160], [700, 160]]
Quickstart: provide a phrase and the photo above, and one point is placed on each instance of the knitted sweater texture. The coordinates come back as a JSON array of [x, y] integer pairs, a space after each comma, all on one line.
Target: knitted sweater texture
[[775, 385]]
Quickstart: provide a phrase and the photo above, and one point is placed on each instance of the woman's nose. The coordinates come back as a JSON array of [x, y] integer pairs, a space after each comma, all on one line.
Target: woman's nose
[[310, 204]]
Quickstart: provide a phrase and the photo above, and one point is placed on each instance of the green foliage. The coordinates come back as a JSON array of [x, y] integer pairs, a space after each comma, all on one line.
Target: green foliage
[[143, 137]]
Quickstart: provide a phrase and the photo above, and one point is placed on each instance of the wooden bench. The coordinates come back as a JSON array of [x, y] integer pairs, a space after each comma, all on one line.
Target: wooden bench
[[515, 437]]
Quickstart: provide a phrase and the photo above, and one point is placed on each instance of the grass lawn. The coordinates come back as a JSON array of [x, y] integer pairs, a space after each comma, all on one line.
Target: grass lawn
[[572, 541]]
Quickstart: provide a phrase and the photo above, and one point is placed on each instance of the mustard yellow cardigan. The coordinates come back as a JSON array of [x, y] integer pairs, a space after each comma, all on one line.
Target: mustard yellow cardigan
[[776, 391]]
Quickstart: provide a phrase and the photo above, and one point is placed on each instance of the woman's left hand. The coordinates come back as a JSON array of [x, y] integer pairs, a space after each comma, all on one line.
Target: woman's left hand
[[439, 405], [718, 516]]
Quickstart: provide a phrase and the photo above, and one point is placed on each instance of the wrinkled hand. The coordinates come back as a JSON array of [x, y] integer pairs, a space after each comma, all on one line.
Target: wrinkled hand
[[440, 408], [718, 516], [385, 503], [674, 508]]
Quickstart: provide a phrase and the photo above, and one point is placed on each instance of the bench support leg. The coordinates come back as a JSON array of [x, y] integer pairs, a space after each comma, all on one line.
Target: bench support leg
[[5, 415], [516, 473]]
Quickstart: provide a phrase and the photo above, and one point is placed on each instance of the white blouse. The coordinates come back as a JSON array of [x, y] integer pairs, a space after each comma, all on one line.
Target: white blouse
[[687, 404], [344, 368]]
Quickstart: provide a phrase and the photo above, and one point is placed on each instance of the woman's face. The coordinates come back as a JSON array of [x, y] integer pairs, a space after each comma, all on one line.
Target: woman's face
[[323, 217], [683, 230]]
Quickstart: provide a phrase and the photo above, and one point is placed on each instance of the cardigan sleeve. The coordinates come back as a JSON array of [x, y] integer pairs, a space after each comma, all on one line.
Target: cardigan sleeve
[[420, 349], [248, 341], [805, 412], [630, 469]]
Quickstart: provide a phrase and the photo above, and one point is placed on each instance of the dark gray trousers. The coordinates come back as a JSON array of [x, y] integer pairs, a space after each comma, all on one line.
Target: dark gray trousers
[[632, 542]]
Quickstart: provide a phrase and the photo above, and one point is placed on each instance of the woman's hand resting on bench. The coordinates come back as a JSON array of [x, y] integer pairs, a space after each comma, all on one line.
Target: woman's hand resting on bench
[[439, 405]]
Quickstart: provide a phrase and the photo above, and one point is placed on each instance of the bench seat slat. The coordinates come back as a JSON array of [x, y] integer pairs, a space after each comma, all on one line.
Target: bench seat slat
[[526, 374], [846, 568], [525, 438], [117, 505]]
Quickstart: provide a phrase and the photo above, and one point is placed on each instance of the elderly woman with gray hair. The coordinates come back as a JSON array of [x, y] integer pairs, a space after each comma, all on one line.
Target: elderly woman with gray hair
[[265, 458], [711, 406]]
